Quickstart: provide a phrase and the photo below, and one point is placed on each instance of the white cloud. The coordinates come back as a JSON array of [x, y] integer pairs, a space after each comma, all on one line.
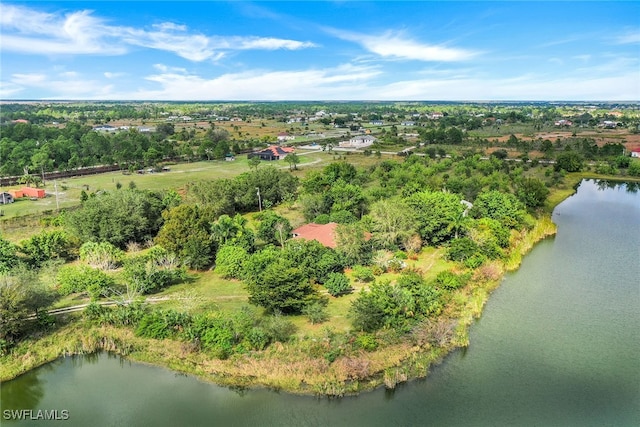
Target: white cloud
[[170, 26], [27, 30], [166, 69], [9, 89], [111, 75], [269, 43], [394, 45], [623, 87], [345, 82], [583, 58], [631, 37], [340, 82], [65, 85]]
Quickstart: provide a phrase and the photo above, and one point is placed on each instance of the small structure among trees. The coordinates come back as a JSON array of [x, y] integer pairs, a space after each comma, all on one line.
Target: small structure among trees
[[6, 198]]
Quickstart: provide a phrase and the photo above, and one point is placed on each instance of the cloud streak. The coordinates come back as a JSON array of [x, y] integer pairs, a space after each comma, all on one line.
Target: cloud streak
[[395, 45], [29, 31]]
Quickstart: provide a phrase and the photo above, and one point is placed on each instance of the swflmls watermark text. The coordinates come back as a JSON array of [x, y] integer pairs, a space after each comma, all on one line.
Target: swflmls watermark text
[[35, 414]]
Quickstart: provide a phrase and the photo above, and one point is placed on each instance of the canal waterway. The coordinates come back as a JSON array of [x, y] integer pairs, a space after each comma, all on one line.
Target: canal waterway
[[557, 345]]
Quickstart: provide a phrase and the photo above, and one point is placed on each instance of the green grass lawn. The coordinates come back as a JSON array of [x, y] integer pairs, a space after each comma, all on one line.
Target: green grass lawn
[[69, 189]]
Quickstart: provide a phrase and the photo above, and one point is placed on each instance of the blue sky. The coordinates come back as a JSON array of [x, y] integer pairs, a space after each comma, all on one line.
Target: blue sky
[[342, 50]]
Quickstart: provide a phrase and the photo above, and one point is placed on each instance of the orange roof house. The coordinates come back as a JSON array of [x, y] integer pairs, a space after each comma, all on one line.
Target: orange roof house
[[273, 152], [323, 233]]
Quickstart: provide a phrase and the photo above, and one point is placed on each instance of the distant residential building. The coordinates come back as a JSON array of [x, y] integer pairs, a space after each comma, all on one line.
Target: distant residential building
[[283, 136], [635, 153], [19, 121], [273, 152], [359, 141], [408, 123], [104, 128], [564, 122], [376, 122]]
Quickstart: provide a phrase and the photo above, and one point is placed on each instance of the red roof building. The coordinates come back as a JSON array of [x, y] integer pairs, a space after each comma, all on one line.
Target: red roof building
[[273, 152], [323, 233]]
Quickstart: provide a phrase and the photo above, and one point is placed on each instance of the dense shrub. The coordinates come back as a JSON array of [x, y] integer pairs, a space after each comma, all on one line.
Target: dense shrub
[[101, 255], [450, 280], [363, 274], [316, 313], [338, 284], [8, 255], [147, 275], [461, 249], [160, 324], [502, 207], [367, 342], [230, 260], [48, 245], [83, 278], [119, 217], [396, 307]]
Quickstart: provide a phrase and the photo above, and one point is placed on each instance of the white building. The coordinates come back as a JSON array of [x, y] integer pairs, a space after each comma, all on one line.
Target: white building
[[359, 141]]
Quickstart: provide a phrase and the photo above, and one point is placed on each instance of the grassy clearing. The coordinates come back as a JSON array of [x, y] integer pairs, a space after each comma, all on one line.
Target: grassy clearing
[[69, 189]]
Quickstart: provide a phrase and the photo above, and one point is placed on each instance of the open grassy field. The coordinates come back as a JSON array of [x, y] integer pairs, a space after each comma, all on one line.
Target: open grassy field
[[69, 189]]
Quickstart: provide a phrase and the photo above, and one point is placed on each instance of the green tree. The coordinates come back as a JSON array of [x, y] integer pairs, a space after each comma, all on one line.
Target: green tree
[[277, 281], [503, 207], [118, 218], [435, 213], [21, 294], [82, 278], [254, 162], [281, 287], [316, 313], [338, 284], [347, 197], [293, 161], [48, 245], [366, 313], [273, 228], [186, 232], [8, 255], [569, 161], [230, 260], [234, 231], [392, 223], [532, 192], [353, 244]]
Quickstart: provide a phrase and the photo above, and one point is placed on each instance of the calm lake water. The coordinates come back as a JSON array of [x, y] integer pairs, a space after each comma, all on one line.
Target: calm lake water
[[557, 345]]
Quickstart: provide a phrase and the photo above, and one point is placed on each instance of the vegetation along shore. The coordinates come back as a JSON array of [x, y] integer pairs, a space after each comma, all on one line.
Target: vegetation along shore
[[306, 247]]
